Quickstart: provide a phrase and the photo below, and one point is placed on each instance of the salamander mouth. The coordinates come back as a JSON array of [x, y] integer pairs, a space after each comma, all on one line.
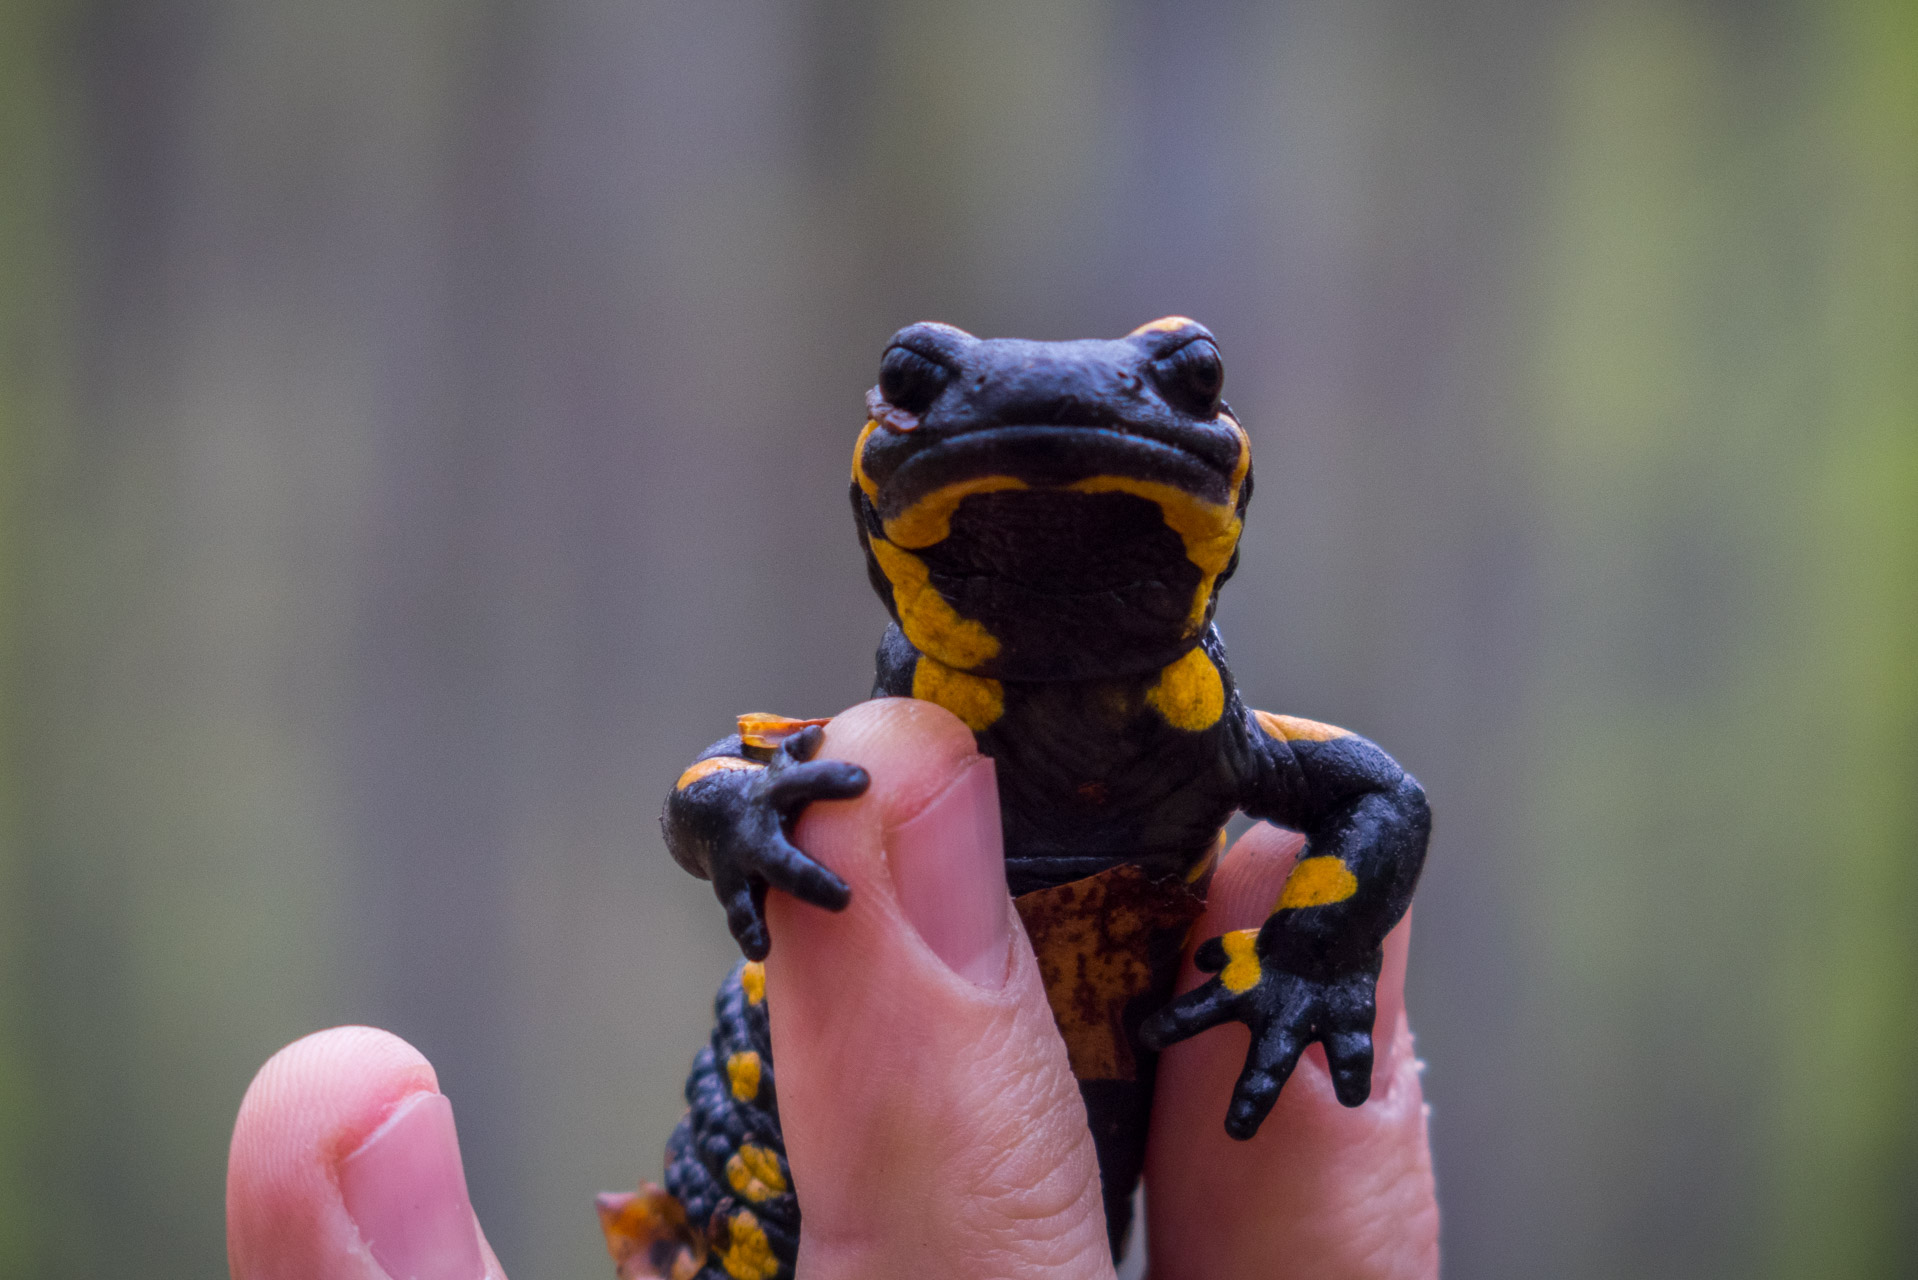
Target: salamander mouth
[[1045, 457]]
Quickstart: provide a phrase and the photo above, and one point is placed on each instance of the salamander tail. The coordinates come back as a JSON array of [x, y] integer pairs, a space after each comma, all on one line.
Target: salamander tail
[[727, 1211]]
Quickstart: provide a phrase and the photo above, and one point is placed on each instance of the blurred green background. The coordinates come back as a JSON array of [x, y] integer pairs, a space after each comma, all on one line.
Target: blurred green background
[[423, 425]]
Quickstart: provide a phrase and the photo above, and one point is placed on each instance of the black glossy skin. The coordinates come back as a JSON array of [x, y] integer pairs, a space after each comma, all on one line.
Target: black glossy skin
[[1088, 596]]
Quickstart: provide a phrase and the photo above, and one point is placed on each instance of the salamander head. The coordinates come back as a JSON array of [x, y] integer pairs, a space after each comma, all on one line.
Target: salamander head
[[1051, 510]]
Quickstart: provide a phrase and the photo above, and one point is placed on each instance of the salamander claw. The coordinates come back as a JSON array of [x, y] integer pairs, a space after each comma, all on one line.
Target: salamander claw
[[1285, 1012], [753, 849]]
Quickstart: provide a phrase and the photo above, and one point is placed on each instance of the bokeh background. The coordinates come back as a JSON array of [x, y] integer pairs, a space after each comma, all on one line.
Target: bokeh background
[[423, 425]]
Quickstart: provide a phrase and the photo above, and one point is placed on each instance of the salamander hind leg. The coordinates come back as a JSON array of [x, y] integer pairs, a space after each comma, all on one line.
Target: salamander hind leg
[[727, 1211]]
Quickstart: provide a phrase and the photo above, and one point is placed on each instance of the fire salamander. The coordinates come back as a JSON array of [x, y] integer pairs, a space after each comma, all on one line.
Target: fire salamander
[[1049, 525]]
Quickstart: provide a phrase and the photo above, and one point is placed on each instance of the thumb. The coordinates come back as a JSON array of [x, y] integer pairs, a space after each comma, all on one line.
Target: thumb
[[932, 1123], [345, 1166]]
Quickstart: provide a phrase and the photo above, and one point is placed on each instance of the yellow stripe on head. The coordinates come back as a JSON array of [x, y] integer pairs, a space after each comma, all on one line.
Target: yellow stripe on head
[[859, 476], [928, 521], [931, 624], [1244, 464], [1210, 530]]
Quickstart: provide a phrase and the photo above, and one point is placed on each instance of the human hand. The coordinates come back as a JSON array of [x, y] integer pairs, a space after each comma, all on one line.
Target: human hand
[[929, 1113]]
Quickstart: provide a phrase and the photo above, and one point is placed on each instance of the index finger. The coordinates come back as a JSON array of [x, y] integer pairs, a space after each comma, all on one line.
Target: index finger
[[1322, 1190]]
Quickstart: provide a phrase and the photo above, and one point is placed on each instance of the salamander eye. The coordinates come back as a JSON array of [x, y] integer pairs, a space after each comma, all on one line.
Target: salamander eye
[[909, 381], [1192, 378]]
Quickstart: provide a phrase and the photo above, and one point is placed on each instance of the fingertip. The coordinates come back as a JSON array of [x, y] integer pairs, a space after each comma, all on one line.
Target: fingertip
[[313, 1103], [927, 827], [324, 1093], [922, 1083], [911, 749]]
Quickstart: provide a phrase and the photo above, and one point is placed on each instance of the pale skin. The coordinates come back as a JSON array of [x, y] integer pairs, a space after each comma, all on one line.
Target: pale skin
[[932, 1124]]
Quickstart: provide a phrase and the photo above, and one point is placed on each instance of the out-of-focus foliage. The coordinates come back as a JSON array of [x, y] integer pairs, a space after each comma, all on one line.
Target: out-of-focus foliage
[[422, 426]]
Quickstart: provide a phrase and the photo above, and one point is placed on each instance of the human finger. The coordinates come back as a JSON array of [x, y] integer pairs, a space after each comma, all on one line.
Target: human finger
[[1323, 1190], [345, 1165], [932, 1122]]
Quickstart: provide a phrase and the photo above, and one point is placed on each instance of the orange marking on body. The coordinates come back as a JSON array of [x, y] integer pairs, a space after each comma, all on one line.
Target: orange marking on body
[[744, 1251], [766, 731], [752, 980], [742, 1073], [1298, 729], [753, 1172], [977, 700], [1189, 693], [712, 765], [1241, 972], [1317, 882]]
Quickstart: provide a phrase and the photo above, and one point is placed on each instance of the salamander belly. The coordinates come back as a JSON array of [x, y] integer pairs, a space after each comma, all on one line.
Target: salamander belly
[[1109, 947]]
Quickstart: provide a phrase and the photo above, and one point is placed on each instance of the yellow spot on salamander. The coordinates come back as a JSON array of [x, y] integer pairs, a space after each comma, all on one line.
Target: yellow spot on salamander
[[932, 625], [711, 765], [859, 476], [747, 1254], [1189, 693], [1317, 882], [1210, 530], [742, 1071], [1295, 729], [1243, 466], [752, 978], [1164, 324], [1241, 972], [754, 1173], [977, 700], [929, 520]]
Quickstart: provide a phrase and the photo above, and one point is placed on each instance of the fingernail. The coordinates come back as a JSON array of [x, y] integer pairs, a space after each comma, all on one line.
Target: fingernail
[[949, 869], [405, 1190]]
